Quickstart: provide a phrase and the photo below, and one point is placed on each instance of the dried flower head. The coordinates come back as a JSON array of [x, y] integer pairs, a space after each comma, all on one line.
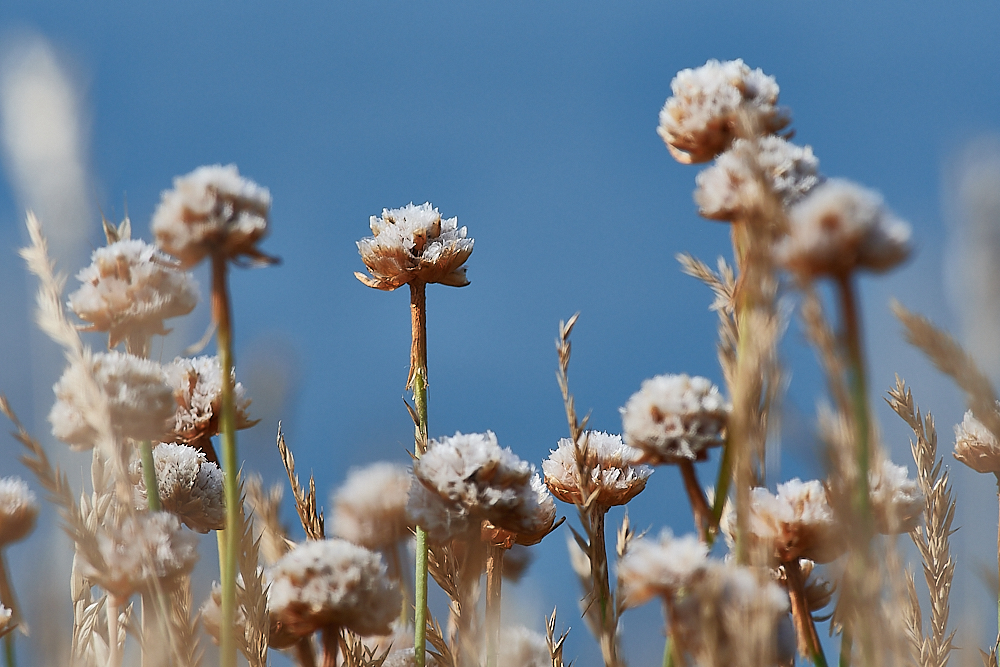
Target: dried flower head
[[798, 522], [443, 520], [841, 227], [731, 188], [896, 500], [332, 583], [129, 289], [702, 117], [490, 483], [370, 508], [660, 567], [145, 547], [414, 243], [6, 615], [532, 523], [139, 401], [976, 446], [613, 469], [674, 418], [190, 486], [197, 385], [212, 210], [521, 647], [18, 510], [211, 619]]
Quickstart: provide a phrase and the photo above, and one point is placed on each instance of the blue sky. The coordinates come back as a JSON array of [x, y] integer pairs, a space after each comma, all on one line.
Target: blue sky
[[534, 123]]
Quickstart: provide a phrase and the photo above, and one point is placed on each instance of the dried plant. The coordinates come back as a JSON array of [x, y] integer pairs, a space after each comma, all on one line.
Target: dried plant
[[305, 502]]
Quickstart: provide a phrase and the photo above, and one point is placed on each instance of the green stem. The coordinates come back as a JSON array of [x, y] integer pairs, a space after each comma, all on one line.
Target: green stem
[[722, 487], [418, 381], [149, 475], [230, 463]]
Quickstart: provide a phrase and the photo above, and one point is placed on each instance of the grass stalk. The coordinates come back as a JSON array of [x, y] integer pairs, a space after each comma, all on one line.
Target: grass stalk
[[149, 475], [9, 600], [418, 382], [221, 313], [494, 582], [114, 653]]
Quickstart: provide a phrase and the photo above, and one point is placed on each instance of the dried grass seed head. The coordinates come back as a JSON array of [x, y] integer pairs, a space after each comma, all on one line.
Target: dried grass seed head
[[674, 418], [212, 210], [139, 400], [976, 446], [660, 567], [841, 227], [190, 486], [730, 188], [130, 288], [896, 500], [797, 522], [370, 507], [613, 470], [145, 547], [197, 384], [332, 583], [414, 243], [18, 510], [491, 483], [702, 117]]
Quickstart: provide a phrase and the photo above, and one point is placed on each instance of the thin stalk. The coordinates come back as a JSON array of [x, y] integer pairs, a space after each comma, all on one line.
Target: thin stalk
[[149, 475], [699, 505], [494, 581], [722, 484], [396, 562], [846, 646], [221, 313], [418, 381], [997, 647], [304, 653], [331, 645], [8, 599], [114, 654], [804, 624], [602, 588]]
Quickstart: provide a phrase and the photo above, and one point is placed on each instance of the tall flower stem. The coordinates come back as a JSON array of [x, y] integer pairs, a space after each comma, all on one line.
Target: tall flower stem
[[805, 626], [114, 652], [221, 313], [699, 505], [418, 381], [9, 600], [331, 645], [602, 588], [149, 475], [494, 581], [997, 647]]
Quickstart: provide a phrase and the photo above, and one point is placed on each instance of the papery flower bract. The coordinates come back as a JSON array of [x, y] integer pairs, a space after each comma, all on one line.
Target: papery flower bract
[[674, 418], [370, 508], [332, 583], [531, 523], [414, 243], [896, 500], [976, 446], [842, 227], [614, 471], [660, 567], [701, 119], [197, 384], [521, 647], [145, 547], [797, 522], [18, 510], [139, 401], [130, 288], [443, 520], [729, 189], [212, 210], [190, 486]]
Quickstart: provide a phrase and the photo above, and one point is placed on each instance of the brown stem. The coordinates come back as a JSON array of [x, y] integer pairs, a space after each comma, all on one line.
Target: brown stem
[[418, 329], [331, 645], [494, 579], [805, 626], [699, 504], [602, 588], [304, 653]]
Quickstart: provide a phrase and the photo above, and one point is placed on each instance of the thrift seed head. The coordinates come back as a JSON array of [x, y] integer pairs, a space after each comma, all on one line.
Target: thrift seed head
[[414, 243], [614, 471], [674, 418], [212, 210], [976, 446], [660, 567], [130, 288], [443, 520], [190, 486], [18, 510], [370, 508], [332, 583], [521, 647], [701, 119], [841, 227], [896, 500]]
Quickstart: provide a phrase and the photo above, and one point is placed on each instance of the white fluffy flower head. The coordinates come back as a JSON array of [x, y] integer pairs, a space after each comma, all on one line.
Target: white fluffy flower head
[[897, 501], [414, 243], [976, 446], [702, 117], [139, 401], [370, 508], [729, 190], [613, 470], [129, 289], [212, 210], [332, 583], [660, 567], [18, 510], [190, 486], [674, 418], [841, 227]]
